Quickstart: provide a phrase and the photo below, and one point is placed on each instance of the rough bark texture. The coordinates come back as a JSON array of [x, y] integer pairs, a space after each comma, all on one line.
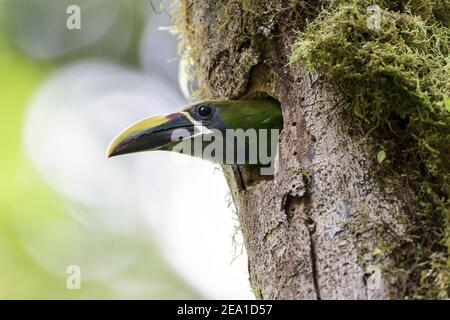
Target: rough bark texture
[[312, 231]]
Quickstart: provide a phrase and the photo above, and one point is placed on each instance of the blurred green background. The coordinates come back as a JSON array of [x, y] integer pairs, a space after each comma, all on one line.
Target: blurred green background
[[44, 225], [29, 210]]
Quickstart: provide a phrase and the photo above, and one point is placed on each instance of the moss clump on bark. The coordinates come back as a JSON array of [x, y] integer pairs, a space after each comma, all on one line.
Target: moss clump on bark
[[221, 44], [397, 79]]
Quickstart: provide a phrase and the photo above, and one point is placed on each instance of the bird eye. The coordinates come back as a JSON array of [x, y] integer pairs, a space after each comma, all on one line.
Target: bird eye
[[204, 110]]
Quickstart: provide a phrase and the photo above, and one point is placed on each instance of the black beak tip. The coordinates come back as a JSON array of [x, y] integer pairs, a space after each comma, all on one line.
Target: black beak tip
[[116, 151]]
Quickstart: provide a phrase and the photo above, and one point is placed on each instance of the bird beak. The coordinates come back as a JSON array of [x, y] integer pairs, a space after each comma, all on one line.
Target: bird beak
[[153, 133]]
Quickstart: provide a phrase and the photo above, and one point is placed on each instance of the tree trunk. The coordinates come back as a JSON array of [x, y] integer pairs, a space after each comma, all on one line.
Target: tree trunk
[[313, 231]]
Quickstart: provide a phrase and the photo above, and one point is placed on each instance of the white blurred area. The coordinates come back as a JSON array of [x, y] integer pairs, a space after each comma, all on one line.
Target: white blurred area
[[179, 202]]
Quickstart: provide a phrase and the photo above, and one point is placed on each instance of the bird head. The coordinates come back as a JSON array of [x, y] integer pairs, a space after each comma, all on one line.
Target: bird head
[[165, 132]]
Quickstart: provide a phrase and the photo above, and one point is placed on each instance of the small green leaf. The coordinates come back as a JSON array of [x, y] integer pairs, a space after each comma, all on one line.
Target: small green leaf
[[447, 103], [377, 252], [381, 156]]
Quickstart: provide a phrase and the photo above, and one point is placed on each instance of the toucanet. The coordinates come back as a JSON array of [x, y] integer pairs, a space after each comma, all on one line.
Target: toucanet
[[261, 118]]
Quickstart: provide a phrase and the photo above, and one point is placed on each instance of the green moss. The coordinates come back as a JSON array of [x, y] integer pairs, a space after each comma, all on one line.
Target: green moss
[[397, 79], [229, 33], [257, 291]]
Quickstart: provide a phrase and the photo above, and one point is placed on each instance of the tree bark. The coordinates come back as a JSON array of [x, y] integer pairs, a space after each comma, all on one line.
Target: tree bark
[[313, 231]]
